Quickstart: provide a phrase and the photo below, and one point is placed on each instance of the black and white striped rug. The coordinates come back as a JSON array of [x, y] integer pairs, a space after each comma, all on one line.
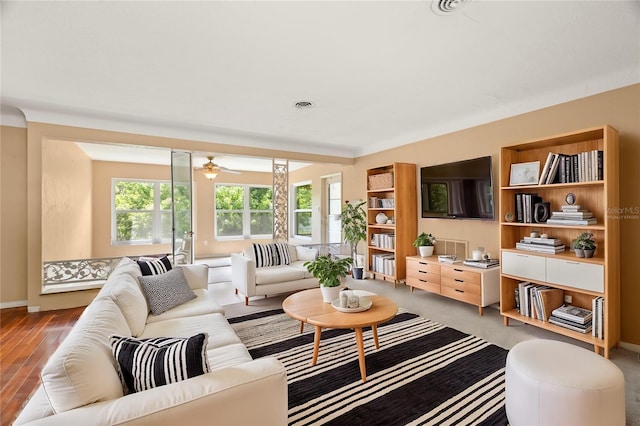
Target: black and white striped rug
[[423, 374]]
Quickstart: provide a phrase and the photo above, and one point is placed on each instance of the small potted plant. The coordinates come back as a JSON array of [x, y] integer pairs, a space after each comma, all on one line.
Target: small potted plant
[[329, 270], [425, 243], [584, 245], [354, 228]]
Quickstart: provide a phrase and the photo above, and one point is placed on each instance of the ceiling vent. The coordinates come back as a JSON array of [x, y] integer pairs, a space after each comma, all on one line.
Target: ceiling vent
[[447, 7]]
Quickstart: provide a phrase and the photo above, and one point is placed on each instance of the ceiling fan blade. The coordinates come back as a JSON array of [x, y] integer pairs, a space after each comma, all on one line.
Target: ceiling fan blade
[[224, 169]]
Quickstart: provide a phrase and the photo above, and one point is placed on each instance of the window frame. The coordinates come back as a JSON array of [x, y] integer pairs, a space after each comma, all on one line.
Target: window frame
[[294, 211], [246, 213], [156, 213]]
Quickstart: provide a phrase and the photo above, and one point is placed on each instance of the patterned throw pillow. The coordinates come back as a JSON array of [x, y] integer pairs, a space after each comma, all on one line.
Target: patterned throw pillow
[[155, 266], [271, 254], [148, 363], [166, 291]]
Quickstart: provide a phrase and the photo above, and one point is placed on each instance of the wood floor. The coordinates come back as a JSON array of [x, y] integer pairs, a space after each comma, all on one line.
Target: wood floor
[[26, 342]]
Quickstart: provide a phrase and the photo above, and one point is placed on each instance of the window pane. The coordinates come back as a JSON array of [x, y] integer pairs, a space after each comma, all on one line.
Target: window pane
[[229, 224], [229, 197], [303, 223], [260, 199], [303, 197], [133, 226], [165, 216], [134, 196], [261, 223], [334, 206]]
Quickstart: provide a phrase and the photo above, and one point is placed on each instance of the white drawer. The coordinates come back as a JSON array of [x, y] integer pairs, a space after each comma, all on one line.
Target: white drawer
[[585, 276], [524, 265]]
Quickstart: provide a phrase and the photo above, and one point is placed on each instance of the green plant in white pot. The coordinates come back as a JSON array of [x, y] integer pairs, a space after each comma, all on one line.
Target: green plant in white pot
[[329, 270], [425, 243], [354, 229]]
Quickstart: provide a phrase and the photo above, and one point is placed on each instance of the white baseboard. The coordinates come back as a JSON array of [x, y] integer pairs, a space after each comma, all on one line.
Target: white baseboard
[[630, 346], [16, 304], [32, 309]]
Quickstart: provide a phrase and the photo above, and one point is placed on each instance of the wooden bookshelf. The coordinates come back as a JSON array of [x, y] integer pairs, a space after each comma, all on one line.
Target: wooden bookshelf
[[597, 196], [399, 184]]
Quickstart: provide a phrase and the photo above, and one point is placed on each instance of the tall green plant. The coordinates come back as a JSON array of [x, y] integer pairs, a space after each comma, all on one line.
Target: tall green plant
[[354, 225]]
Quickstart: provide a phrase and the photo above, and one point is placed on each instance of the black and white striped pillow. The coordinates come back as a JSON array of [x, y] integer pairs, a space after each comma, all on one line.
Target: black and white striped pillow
[[148, 363], [155, 267], [272, 254]]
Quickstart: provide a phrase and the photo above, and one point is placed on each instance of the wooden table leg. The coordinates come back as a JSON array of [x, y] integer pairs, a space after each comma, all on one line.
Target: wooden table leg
[[360, 343], [374, 330], [301, 326], [316, 344]]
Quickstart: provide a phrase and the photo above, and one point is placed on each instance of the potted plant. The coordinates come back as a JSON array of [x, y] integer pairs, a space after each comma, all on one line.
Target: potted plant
[[425, 243], [584, 245], [354, 228], [329, 270]]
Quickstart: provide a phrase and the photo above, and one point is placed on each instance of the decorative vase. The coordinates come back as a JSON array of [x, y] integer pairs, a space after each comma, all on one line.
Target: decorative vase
[[589, 253], [579, 252], [329, 294], [381, 218], [358, 272], [425, 251]]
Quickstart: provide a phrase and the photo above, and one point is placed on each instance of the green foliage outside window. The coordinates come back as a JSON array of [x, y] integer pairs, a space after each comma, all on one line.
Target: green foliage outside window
[[230, 210]]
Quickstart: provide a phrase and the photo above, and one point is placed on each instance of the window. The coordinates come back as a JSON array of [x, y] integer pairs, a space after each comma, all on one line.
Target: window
[[141, 211], [302, 210], [243, 211]]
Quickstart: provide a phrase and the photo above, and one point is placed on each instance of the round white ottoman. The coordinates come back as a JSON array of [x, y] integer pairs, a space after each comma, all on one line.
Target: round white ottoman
[[555, 383]]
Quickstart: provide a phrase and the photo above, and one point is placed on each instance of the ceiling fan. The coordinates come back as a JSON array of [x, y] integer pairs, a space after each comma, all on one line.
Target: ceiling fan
[[211, 169]]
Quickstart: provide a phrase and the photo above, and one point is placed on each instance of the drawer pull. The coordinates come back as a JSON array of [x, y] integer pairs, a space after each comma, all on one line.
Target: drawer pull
[[423, 272], [459, 291], [522, 255], [422, 281], [459, 281], [423, 263], [458, 270], [573, 263]]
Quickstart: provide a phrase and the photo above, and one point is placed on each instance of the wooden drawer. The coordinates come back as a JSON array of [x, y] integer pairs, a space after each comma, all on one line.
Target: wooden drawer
[[424, 275], [424, 285], [417, 265], [460, 274], [458, 284], [461, 295]]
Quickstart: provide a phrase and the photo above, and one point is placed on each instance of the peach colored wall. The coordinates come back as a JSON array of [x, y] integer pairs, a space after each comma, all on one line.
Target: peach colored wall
[[66, 202], [103, 173], [13, 220], [619, 108]]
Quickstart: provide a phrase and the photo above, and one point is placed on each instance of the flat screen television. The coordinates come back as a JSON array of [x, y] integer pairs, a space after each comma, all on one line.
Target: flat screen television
[[460, 190]]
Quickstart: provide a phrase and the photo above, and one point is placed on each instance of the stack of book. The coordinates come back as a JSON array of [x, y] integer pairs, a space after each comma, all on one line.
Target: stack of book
[[541, 245], [383, 240], [485, 263], [525, 206], [537, 301], [383, 263], [582, 167], [598, 317], [572, 317], [572, 215]]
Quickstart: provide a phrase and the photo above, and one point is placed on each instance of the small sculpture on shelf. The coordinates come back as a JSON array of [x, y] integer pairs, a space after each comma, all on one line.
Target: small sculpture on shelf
[[584, 245]]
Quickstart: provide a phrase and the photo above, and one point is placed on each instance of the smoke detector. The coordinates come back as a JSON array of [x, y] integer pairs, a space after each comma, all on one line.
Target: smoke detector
[[303, 104], [447, 7]]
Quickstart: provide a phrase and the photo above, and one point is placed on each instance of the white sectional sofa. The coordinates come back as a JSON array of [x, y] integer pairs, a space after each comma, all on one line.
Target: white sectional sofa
[[251, 279], [81, 385]]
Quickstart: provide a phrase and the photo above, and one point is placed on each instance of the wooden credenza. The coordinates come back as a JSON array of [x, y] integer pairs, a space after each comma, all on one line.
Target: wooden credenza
[[476, 286]]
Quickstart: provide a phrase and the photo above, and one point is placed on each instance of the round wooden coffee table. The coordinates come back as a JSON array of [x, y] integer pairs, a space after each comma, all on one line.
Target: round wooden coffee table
[[307, 307]]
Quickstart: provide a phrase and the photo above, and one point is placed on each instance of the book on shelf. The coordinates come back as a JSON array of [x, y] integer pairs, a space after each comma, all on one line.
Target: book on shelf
[[525, 206], [550, 299], [572, 215], [580, 328], [572, 222], [564, 168], [545, 168], [573, 313], [489, 263], [572, 208], [553, 171], [540, 248], [543, 241], [598, 317]]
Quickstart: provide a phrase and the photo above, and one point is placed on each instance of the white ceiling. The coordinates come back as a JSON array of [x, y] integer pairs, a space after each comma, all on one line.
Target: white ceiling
[[380, 73]]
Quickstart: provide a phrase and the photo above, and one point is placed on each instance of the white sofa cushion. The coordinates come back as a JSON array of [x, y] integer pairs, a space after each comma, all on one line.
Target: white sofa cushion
[[299, 265], [306, 253], [166, 291], [204, 303], [131, 301], [228, 356], [278, 274], [149, 363], [83, 370], [215, 325]]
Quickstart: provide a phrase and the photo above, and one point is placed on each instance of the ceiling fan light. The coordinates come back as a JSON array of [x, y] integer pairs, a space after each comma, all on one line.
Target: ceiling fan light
[[211, 175], [209, 169]]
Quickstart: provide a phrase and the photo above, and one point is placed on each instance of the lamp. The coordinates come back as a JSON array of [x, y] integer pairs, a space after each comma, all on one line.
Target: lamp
[[210, 170]]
